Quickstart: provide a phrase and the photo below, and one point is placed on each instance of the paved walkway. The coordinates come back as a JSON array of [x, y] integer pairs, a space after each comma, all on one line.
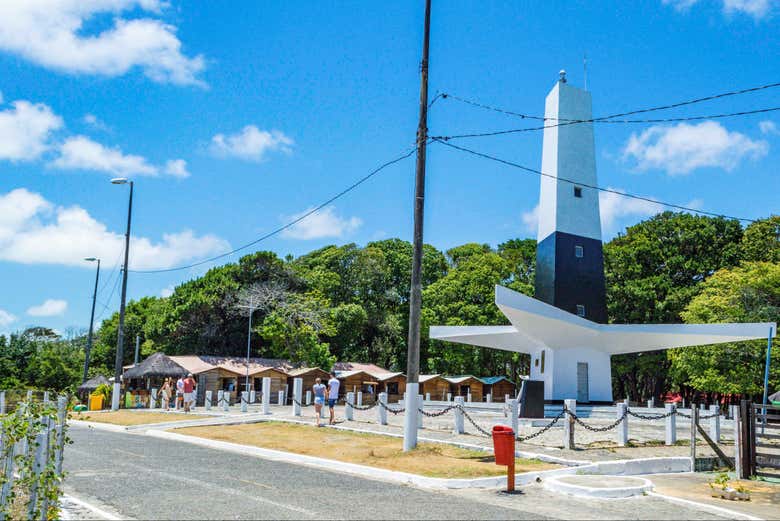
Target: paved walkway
[[147, 478]]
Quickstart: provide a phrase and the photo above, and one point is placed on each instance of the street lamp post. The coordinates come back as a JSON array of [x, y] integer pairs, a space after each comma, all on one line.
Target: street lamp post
[[91, 319], [120, 343]]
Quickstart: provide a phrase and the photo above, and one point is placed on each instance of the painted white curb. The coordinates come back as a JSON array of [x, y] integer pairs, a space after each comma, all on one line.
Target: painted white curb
[[558, 484], [98, 425], [99, 513]]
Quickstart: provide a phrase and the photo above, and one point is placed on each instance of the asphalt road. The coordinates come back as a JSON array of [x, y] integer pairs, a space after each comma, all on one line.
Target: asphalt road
[[134, 476]]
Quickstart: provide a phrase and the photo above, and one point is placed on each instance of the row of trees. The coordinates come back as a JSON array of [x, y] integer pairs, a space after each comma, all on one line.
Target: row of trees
[[351, 303]]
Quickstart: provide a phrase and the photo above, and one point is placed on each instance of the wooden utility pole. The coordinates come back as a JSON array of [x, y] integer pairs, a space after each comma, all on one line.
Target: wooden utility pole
[[415, 297]]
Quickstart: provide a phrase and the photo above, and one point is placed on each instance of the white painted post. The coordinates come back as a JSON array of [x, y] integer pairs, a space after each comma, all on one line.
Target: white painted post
[[209, 395], [2, 402], [449, 397], [226, 401], [281, 398], [252, 396], [348, 410], [266, 395], [506, 398], [220, 397], [514, 411], [737, 442], [244, 401], [420, 405], [568, 424], [671, 424], [153, 399], [381, 412], [297, 396], [650, 403], [308, 397], [285, 394], [360, 398], [468, 397], [427, 397], [62, 411], [702, 407], [459, 426], [733, 411], [715, 423], [489, 398], [622, 428], [627, 402], [410, 416], [45, 397]]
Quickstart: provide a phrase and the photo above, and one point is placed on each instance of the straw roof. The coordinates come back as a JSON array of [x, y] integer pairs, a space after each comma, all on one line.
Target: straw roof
[[157, 364], [93, 383]]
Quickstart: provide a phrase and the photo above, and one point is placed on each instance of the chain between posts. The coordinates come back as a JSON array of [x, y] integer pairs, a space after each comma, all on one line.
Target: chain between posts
[[598, 429], [391, 410], [299, 404], [543, 430], [438, 413]]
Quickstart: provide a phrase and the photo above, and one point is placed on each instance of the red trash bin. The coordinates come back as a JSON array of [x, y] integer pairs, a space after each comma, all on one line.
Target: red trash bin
[[504, 450]]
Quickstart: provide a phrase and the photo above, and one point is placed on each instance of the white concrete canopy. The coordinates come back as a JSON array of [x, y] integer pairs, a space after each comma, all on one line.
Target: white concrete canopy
[[566, 339]]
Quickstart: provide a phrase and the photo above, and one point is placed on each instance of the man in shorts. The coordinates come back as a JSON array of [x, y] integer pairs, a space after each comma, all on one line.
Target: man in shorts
[[333, 396], [319, 398], [189, 388]]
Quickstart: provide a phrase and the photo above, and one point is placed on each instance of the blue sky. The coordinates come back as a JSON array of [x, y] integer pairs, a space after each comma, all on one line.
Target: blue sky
[[233, 117]]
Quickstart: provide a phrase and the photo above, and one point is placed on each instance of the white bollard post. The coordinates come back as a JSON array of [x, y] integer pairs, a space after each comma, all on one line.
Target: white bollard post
[[427, 397], [410, 416], [514, 411], [244, 401], [45, 397], [209, 395], [568, 424], [489, 398], [737, 442], [420, 405], [226, 401], [360, 398], [671, 424], [280, 399], [266, 395], [506, 398], [702, 407], [468, 397], [297, 396], [381, 412], [733, 411], [252, 396], [622, 428], [715, 423], [348, 406], [220, 397], [153, 399], [459, 426], [308, 397], [449, 397], [650, 403], [2, 402]]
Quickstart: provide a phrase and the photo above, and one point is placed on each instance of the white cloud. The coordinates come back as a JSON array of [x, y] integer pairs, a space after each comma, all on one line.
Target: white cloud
[[250, 143], [531, 219], [36, 231], [682, 148], [768, 127], [324, 223], [6, 318], [50, 308], [82, 153], [95, 122], [758, 9], [177, 168], [51, 34], [25, 130]]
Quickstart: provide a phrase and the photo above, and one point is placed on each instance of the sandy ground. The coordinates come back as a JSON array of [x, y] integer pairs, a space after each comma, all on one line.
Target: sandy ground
[[433, 460], [123, 417]]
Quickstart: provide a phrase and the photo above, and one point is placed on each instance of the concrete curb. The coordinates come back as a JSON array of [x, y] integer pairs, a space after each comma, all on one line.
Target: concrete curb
[[712, 509], [557, 484], [100, 426]]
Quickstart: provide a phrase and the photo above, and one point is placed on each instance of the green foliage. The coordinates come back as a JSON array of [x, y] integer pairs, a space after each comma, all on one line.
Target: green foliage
[[761, 241], [38, 357]]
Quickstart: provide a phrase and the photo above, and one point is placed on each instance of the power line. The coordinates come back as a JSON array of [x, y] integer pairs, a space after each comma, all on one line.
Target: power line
[[108, 301], [563, 122], [291, 223], [585, 185]]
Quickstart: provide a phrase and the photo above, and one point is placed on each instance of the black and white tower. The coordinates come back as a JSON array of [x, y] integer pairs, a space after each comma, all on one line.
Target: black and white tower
[[569, 256]]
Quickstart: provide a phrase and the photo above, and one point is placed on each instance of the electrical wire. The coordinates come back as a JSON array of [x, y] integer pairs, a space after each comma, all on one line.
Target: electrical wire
[[563, 122], [110, 296], [290, 223], [585, 185]]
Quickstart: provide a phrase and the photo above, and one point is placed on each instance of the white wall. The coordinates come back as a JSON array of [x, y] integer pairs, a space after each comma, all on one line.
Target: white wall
[[564, 385]]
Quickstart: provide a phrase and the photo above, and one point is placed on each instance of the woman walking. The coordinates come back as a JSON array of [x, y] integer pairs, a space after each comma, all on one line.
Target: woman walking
[[166, 394], [319, 399]]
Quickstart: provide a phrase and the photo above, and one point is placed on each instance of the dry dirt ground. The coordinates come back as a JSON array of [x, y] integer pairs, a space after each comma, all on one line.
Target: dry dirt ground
[[127, 418], [429, 459]]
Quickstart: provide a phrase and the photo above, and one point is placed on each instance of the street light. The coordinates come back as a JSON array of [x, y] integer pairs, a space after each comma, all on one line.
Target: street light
[[91, 319], [120, 342]]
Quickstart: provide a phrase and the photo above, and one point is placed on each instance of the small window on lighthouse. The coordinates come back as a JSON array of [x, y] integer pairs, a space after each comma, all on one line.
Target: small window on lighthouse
[[578, 251], [577, 191], [580, 310]]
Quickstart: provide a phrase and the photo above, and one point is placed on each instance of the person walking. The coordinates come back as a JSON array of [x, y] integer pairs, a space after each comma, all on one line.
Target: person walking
[[179, 394], [188, 388], [333, 396], [319, 398], [165, 391]]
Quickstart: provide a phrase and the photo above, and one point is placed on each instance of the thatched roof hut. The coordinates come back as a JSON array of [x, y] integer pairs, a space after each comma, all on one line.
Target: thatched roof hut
[[93, 383], [156, 365]]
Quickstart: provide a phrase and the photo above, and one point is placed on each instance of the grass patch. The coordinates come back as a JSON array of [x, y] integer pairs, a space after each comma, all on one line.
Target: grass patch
[[436, 460], [128, 418]]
